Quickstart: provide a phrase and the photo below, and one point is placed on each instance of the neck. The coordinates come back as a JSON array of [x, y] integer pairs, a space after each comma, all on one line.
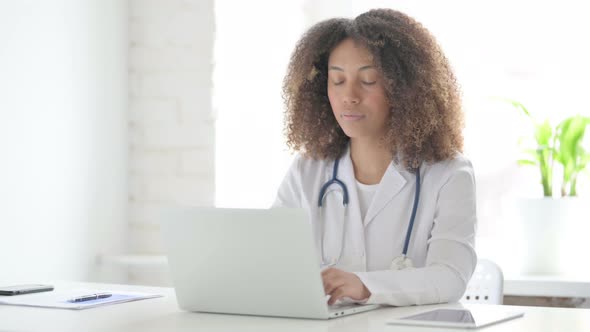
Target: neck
[[370, 159]]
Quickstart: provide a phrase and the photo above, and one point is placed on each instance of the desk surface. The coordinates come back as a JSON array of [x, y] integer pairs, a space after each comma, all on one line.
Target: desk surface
[[162, 314], [557, 286]]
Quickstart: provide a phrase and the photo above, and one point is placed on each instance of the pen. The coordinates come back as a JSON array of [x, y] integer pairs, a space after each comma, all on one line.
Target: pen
[[90, 297]]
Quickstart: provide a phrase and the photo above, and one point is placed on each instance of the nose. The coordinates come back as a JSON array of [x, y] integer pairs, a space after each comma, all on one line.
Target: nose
[[350, 96]]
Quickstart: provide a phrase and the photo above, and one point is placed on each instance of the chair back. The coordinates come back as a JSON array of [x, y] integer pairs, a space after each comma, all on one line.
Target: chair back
[[486, 285]]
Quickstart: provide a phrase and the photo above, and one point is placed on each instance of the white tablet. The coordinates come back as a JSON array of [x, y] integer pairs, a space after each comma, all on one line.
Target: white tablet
[[471, 318]]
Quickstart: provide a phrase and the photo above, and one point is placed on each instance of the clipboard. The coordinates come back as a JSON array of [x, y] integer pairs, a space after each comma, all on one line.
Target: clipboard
[[60, 299]]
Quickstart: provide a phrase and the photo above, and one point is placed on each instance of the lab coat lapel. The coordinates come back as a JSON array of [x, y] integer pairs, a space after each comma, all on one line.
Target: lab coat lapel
[[391, 184]]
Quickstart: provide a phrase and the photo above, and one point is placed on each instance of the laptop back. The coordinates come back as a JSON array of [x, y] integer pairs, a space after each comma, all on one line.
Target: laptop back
[[238, 261]]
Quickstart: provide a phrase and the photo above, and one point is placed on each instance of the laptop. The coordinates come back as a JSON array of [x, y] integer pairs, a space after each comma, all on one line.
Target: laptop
[[248, 262]]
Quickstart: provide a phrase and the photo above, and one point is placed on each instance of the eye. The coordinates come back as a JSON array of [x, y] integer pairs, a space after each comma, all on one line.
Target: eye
[[368, 83], [337, 83]]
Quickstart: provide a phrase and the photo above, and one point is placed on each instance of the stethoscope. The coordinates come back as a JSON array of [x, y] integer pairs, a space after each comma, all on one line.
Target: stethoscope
[[398, 263]]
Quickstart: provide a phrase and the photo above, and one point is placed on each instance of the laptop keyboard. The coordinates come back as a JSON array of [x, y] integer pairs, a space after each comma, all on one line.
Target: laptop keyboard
[[343, 306]]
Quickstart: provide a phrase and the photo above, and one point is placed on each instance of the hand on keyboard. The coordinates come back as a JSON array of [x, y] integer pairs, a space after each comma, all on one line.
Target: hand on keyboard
[[340, 284]]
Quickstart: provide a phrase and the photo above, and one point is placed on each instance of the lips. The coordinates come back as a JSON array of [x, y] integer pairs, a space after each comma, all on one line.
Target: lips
[[352, 116]]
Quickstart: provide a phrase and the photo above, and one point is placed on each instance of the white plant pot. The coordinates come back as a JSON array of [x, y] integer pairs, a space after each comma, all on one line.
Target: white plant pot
[[554, 235]]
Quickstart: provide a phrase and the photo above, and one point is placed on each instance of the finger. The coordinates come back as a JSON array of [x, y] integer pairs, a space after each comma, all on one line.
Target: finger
[[336, 295], [333, 274], [333, 280], [332, 285], [327, 277], [328, 283]]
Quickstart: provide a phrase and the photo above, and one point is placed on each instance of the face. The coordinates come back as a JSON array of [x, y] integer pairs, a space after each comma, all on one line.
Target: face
[[356, 92]]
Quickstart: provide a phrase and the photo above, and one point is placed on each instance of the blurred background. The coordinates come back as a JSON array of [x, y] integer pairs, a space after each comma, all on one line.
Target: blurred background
[[113, 109]]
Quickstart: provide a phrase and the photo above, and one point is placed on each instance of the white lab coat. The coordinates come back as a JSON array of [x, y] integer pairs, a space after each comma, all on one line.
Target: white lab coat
[[442, 241]]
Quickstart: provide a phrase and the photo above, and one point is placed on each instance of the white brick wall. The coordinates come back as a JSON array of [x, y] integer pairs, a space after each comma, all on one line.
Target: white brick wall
[[171, 123]]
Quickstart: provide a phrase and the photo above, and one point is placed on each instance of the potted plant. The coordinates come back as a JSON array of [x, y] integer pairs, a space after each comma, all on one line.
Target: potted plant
[[562, 145], [551, 226]]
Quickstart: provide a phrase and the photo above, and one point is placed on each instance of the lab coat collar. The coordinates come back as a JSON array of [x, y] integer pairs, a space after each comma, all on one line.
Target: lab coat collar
[[391, 184], [346, 174]]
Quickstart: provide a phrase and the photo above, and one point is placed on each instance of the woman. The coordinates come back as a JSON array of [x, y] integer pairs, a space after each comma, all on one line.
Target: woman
[[372, 103]]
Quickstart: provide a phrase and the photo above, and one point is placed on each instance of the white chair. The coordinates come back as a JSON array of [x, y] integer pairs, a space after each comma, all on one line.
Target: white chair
[[486, 285]]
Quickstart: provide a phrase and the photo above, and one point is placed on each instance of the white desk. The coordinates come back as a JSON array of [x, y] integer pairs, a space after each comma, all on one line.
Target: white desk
[[514, 285], [162, 314]]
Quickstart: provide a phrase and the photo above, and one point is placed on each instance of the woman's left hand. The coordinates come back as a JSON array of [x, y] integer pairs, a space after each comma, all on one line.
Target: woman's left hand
[[338, 284]]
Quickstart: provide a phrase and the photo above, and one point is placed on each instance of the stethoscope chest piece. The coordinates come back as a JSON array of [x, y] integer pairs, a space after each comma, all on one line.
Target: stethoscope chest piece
[[401, 262]]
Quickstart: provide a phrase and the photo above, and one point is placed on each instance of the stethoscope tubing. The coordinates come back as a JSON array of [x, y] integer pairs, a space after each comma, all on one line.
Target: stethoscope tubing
[[345, 200], [413, 216], [334, 180]]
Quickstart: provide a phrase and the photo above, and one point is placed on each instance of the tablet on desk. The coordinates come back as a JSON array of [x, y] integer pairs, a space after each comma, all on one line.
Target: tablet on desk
[[472, 318]]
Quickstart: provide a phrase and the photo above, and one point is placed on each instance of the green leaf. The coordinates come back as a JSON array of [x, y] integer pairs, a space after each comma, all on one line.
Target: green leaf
[[570, 152], [570, 133], [519, 106], [522, 162], [543, 133], [532, 153]]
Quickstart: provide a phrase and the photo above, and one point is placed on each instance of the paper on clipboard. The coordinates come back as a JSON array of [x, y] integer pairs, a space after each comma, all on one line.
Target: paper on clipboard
[[59, 299]]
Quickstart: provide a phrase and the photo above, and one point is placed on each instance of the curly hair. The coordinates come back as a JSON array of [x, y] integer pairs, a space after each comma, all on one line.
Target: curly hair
[[426, 119]]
